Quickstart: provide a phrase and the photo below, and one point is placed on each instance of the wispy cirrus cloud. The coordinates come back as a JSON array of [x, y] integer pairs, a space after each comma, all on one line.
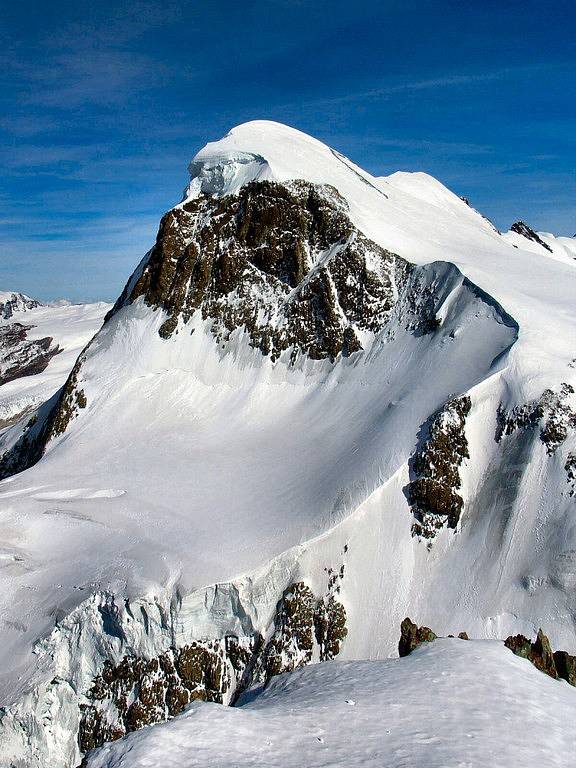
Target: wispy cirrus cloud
[[440, 82], [96, 77], [88, 62]]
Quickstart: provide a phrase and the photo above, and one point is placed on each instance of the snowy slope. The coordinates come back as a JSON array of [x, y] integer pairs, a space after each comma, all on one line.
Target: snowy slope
[[560, 248], [568, 243], [450, 703], [199, 478], [433, 193], [70, 326]]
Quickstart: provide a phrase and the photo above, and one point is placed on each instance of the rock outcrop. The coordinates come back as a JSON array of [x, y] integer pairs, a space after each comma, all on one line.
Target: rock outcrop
[[16, 302], [523, 229], [565, 665], [433, 491], [140, 691], [20, 356], [556, 664], [538, 653], [570, 468], [306, 627], [411, 636], [282, 261], [551, 414]]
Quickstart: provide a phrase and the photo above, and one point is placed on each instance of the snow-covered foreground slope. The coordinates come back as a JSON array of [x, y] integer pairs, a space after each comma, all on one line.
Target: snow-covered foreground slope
[[323, 401], [70, 326], [450, 703]]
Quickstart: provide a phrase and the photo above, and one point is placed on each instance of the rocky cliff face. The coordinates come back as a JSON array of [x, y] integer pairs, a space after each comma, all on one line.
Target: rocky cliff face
[[20, 356], [15, 302], [140, 691], [551, 419], [551, 416], [280, 262]]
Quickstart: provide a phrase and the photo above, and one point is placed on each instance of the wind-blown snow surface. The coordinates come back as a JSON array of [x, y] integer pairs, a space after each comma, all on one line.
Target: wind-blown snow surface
[[194, 464], [71, 326], [450, 703]]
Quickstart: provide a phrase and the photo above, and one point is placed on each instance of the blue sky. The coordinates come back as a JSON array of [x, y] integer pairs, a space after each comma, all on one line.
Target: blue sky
[[102, 105]]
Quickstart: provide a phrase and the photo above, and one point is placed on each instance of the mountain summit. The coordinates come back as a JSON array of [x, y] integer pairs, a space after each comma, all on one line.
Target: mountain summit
[[15, 302], [323, 401]]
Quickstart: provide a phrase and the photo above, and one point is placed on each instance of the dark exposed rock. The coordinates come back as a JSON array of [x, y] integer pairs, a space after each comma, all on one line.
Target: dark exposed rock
[[411, 636], [304, 623], [570, 468], [71, 400], [282, 261], [138, 692], [551, 413], [434, 468], [565, 666], [30, 446], [557, 664], [293, 640], [330, 627], [523, 229], [94, 730], [320, 626], [51, 421], [519, 644], [541, 655], [20, 356], [538, 653]]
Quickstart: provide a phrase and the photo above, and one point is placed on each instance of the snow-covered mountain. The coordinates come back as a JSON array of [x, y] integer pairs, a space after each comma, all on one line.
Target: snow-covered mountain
[[15, 302], [39, 345], [524, 237], [322, 402]]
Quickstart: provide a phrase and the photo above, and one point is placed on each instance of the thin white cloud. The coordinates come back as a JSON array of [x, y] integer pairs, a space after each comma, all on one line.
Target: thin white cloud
[[434, 83]]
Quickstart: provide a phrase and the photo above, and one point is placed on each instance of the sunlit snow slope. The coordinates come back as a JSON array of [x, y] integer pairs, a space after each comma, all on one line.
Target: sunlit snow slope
[[450, 703]]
